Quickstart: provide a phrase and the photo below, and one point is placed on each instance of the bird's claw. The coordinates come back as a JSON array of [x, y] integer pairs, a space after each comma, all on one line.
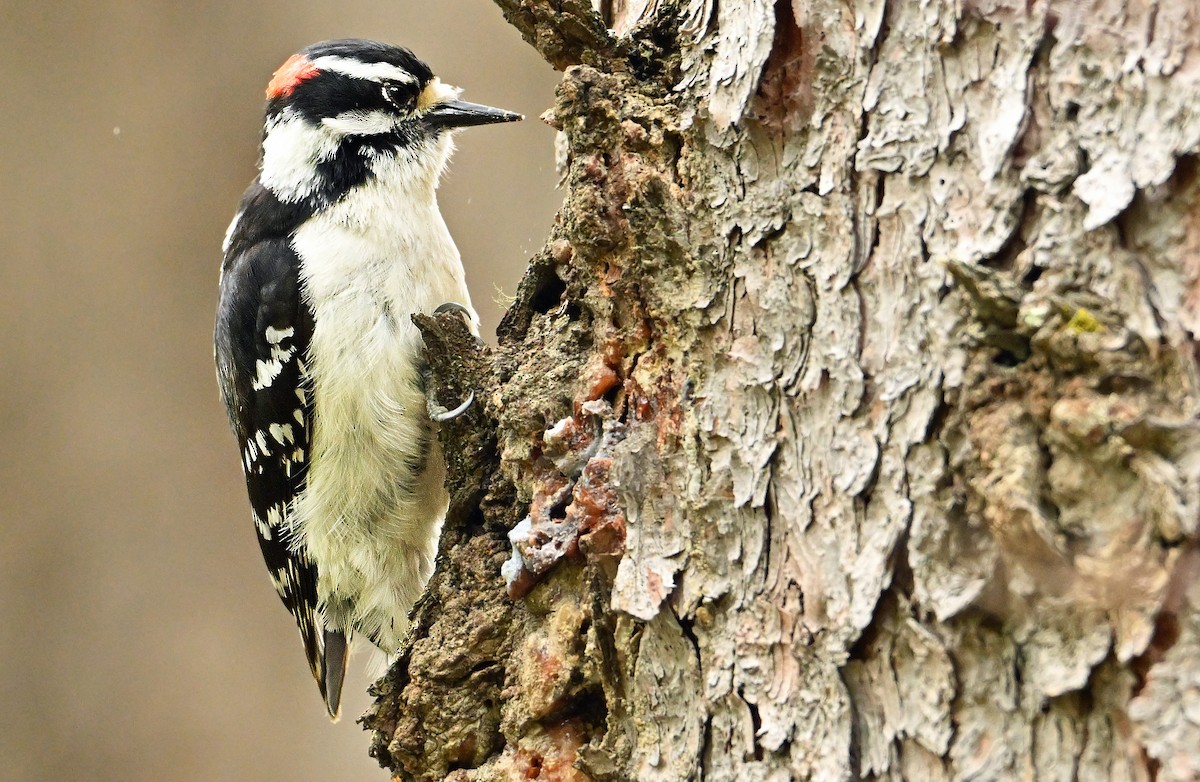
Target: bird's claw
[[467, 314], [453, 306], [441, 414], [437, 412]]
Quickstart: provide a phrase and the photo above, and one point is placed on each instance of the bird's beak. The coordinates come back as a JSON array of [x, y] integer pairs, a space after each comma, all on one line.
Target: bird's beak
[[461, 114]]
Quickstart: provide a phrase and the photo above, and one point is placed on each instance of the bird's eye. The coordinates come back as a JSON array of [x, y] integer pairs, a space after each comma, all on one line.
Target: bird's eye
[[401, 96]]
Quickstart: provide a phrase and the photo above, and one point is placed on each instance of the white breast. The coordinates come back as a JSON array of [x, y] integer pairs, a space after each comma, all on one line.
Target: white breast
[[374, 500]]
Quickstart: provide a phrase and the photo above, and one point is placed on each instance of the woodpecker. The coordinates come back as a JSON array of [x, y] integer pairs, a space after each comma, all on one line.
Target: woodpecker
[[334, 246]]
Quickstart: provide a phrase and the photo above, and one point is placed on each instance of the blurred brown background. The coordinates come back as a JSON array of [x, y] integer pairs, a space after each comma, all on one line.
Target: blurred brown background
[[139, 636]]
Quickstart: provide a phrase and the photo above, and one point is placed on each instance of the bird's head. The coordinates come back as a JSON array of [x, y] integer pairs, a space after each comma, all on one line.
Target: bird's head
[[340, 111]]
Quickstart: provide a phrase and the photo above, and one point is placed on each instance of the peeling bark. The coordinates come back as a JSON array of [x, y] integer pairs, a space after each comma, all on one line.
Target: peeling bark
[[846, 425]]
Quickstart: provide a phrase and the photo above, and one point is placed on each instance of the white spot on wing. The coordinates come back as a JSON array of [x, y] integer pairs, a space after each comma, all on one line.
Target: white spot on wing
[[264, 529], [275, 336], [282, 433], [272, 522], [267, 372], [261, 439]]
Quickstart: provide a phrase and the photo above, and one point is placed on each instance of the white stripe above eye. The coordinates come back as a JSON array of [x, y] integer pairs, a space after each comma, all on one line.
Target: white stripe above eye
[[372, 71]]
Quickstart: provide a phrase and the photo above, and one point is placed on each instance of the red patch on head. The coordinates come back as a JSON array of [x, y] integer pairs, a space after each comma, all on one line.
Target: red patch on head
[[290, 74]]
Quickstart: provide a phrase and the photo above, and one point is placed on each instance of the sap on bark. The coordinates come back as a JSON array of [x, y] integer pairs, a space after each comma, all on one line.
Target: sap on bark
[[575, 511]]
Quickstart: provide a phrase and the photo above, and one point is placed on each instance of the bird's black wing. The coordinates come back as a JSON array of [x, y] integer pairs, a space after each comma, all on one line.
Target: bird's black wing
[[263, 330]]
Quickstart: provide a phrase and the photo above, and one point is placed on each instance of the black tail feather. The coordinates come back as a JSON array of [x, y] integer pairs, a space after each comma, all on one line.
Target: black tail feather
[[333, 662]]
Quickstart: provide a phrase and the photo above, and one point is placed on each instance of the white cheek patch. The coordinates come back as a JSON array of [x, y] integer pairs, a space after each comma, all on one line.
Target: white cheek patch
[[371, 71], [292, 149], [361, 123]]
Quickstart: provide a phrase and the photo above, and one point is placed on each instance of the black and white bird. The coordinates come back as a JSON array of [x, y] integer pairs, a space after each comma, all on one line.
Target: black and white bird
[[335, 245]]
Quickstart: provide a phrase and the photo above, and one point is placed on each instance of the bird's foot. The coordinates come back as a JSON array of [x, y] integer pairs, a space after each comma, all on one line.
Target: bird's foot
[[438, 412], [441, 414], [467, 314], [454, 306]]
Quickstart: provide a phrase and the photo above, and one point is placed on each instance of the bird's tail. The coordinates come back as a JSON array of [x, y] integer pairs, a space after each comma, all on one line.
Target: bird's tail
[[333, 664], [326, 653]]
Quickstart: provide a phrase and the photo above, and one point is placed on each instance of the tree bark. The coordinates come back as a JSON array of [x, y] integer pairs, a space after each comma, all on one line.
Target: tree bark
[[845, 427]]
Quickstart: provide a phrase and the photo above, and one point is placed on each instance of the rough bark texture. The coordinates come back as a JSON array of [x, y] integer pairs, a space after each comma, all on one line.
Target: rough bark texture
[[846, 425]]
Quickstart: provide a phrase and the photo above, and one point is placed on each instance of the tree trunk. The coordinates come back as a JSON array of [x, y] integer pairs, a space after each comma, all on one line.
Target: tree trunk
[[846, 424]]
